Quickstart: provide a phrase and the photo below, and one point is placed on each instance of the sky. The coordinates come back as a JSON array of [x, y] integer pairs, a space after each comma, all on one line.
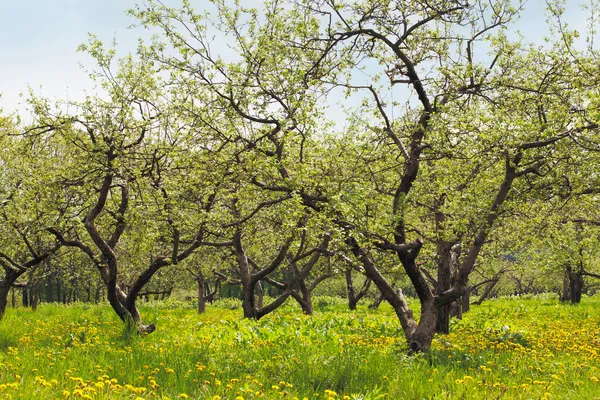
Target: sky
[[39, 40]]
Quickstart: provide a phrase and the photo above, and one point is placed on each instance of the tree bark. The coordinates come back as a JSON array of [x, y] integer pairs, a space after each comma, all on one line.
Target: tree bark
[[488, 290], [25, 297], [260, 294], [34, 295], [466, 301], [201, 295], [49, 289], [375, 304], [4, 289], [353, 296], [6, 285]]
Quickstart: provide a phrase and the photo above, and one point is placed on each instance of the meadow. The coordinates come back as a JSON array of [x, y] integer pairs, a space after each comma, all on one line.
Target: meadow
[[503, 349]]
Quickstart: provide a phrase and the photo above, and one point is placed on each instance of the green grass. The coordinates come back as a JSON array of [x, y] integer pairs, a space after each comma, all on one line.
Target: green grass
[[510, 348]]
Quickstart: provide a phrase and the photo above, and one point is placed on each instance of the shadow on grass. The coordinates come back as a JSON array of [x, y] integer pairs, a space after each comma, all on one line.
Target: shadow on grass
[[7, 340]]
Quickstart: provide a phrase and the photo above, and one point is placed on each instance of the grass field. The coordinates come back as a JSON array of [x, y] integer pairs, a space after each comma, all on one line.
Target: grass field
[[511, 348]]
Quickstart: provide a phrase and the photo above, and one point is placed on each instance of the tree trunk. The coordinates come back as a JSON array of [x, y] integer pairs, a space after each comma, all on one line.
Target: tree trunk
[[201, 295], [58, 289], [25, 297], [353, 297], [306, 303], [97, 295], [488, 290], [466, 301], [49, 290], [448, 253], [420, 340], [375, 304], [260, 295], [572, 285], [566, 291], [5, 286], [35, 295], [576, 286]]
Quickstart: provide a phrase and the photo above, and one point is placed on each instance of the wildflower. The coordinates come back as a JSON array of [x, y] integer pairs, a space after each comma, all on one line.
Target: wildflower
[[183, 396]]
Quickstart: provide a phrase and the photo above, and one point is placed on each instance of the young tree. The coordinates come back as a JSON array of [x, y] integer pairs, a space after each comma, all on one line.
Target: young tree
[[28, 206]]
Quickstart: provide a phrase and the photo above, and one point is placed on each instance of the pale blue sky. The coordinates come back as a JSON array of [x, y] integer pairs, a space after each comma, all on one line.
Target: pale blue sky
[[39, 38]]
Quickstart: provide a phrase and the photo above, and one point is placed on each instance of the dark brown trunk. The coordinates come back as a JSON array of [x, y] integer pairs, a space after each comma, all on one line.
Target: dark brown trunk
[[306, 303], [248, 283], [488, 290], [572, 285], [375, 304], [201, 298], [98, 294], [566, 292], [49, 290], [35, 295], [350, 290], [353, 296], [261, 312], [575, 286], [396, 300], [4, 289], [421, 339], [58, 289], [443, 319], [210, 296], [466, 301], [260, 295], [25, 297], [448, 254]]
